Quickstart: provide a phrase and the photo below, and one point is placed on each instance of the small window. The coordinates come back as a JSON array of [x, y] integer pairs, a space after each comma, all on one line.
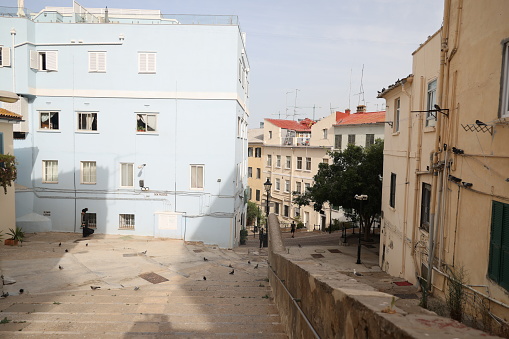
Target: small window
[[298, 187], [146, 122], [351, 139], [307, 186], [324, 131], [44, 60], [392, 197], [432, 100], [126, 222], [258, 152], [425, 206], [286, 211], [250, 152], [299, 163], [269, 160], [88, 172], [296, 211], [250, 172], [278, 185], [257, 195], [146, 62], [258, 173], [197, 177], [270, 134], [50, 171], [87, 121], [397, 106], [278, 161], [276, 208], [370, 139], [127, 175], [308, 164], [48, 120], [97, 62], [288, 162], [5, 56], [337, 141], [287, 185]]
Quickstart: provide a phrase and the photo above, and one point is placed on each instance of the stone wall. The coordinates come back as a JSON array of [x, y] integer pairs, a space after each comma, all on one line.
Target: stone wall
[[337, 306]]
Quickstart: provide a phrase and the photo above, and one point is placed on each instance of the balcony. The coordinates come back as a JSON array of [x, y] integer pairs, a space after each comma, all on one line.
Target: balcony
[[296, 141]]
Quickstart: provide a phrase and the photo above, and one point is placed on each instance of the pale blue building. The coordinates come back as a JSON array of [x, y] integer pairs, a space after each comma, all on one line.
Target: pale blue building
[[138, 116]]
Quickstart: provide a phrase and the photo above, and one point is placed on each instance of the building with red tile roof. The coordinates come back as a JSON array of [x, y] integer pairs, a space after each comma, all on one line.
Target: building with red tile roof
[[8, 115]]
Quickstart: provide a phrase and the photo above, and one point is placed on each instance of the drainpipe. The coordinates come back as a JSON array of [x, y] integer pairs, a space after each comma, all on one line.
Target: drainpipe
[[13, 63], [436, 192], [407, 175]]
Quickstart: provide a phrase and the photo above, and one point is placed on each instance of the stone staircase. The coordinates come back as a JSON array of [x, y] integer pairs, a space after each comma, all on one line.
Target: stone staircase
[[184, 306]]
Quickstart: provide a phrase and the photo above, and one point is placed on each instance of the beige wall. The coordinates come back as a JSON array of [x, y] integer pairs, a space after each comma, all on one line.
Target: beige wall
[[470, 88], [255, 163], [317, 135], [7, 207]]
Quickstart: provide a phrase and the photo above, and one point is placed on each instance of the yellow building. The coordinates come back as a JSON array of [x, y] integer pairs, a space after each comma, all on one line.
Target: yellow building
[[255, 165], [446, 164], [7, 205]]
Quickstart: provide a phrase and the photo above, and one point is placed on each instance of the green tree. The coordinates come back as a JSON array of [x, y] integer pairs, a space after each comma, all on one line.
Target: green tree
[[253, 213], [356, 170], [8, 170]]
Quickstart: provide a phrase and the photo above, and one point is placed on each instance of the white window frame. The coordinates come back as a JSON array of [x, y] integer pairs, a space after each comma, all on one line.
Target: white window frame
[[308, 164], [50, 115], [88, 116], [504, 110], [97, 62], [278, 185], [324, 131], [298, 186], [126, 221], [147, 62], [287, 186], [5, 56], [44, 60], [195, 183], [145, 116], [269, 160], [50, 171], [288, 164], [127, 168], [88, 171], [299, 163], [278, 161], [397, 112], [431, 100]]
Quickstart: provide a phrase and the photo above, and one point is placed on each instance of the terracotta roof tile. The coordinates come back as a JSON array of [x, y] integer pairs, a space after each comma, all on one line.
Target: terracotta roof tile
[[362, 118], [9, 115], [299, 126]]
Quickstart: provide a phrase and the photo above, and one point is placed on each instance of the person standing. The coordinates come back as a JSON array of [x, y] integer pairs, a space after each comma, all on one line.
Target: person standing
[[261, 237], [293, 229]]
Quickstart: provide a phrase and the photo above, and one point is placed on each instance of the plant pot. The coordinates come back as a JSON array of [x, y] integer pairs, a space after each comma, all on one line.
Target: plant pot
[[11, 242]]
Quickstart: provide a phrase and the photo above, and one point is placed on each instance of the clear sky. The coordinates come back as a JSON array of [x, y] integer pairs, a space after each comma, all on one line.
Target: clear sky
[[317, 49]]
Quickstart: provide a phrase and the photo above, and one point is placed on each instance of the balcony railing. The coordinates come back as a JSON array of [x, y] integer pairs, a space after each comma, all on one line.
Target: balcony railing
[[296, 141]]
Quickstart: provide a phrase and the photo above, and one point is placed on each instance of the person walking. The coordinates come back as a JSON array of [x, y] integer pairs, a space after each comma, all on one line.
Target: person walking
[[261, 236], [293, 229]]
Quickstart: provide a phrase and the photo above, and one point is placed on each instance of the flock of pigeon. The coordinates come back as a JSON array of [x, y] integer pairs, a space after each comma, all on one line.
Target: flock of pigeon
[[232, 272]]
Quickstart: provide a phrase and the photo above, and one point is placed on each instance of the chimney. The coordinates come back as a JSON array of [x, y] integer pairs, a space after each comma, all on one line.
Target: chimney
[[347, 111], [361, 109]]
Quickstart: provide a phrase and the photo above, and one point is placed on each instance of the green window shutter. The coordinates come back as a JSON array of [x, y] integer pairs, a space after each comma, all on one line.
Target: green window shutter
[[494, 268], [504, 265]]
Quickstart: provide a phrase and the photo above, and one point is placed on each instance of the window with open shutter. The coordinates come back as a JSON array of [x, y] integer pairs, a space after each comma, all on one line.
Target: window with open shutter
[[51, 60], [5, 57], [498, 266], [33, 60]]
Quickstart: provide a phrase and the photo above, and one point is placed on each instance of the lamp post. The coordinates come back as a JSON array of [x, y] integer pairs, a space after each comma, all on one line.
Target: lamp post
[[267, 186], [361, 198]]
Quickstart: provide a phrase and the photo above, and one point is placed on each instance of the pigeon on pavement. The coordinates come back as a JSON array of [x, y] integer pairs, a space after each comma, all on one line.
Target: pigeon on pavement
[[232, 272], [95, 287], [256, 266], [60, 267], [205, 259]]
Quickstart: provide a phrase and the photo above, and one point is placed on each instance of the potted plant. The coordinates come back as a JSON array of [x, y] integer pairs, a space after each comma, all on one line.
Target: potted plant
[[16, 234]]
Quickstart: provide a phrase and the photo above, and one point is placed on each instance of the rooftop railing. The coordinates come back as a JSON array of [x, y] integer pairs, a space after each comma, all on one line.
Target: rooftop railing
[[116, 16]]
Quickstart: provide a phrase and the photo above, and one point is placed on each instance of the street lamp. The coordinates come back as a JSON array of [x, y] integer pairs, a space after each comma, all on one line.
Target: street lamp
[[361, 198], [267, 186]]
